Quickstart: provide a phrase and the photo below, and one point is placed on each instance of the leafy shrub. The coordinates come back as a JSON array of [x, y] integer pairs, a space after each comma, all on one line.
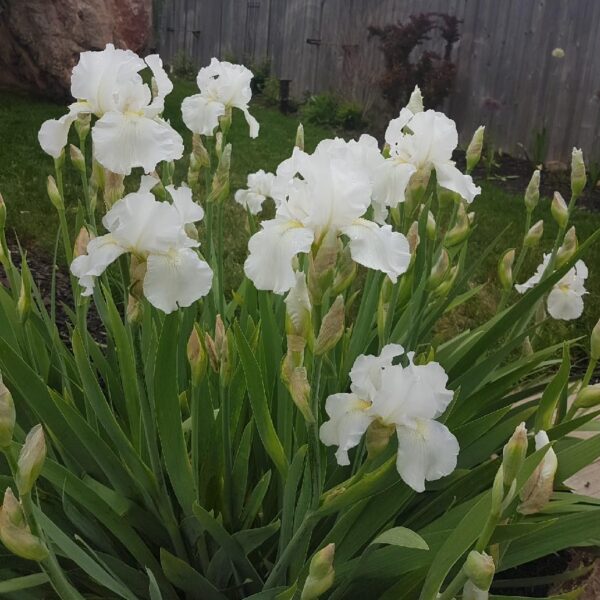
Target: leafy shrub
[[307, 437], [327, 110], [183, 66], [404, 69]]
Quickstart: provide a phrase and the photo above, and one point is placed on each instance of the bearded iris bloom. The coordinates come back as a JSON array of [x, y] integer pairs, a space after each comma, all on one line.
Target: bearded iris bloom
[[325, 195], [129, 131], [407, 400], [155, 234], [260, 187], [420, 143], [565, 300], [223, 86]]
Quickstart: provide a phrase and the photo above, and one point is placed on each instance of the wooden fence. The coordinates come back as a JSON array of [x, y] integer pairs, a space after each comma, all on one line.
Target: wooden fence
[[508, 78]]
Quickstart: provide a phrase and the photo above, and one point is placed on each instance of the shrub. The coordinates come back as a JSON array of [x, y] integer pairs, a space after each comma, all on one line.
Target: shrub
[[183, 66], [433, 73], [327, 110], [306, 437]]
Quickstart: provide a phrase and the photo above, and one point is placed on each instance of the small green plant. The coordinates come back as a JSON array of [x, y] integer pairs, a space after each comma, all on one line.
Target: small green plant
[[270, 91], [540, 146], [327, 110], [262, 73]]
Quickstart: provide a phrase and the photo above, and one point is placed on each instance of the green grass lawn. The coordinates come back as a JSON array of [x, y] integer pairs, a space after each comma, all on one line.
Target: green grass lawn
[[24, 169]]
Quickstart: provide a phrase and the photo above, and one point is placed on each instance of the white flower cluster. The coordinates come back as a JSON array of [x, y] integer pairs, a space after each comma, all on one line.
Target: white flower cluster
[[406, 399]]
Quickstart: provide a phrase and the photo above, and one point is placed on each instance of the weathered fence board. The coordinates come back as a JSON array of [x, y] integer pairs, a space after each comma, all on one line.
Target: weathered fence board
[[507, 77]]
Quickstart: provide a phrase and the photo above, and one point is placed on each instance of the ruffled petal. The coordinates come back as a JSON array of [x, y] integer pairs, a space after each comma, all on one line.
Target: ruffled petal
[[176, 279], [378, 248], [53, 134], [271, 250], [189, 210], [200, 114], [366, 371], [449, 177], [564, 303], [252, 123], [425, 453], [394, 133], [125, 141], [390, 180], [101, 252], [164, 85], [250, 200], [347, 423]]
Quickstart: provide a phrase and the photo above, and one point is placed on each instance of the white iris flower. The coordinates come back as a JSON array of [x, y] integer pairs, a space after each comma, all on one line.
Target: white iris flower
[[129, 131], [408, 399]]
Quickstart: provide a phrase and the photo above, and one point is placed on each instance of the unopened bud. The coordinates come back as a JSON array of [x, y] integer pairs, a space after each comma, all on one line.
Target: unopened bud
[[82, 125], [114, 188], [588, 397], [345, 272], [332, 327], [300, 137], [474, 149], [513, 455], [413, 237], [220, 182], [7, 416], [472, 592], [505, 269], [431, 226], [446, 285], [417, 186], [31, 460], [225, 121], [135, 310], [320, 574], [199, 150], [81, 242], [321, 268], [471, 217], [527, 347], [137, 273], [24, 302], [211, 350], [298, 309], [439, 270], [532, 193], [197, 355], [415, 102], [2, 213], [77, 158], [300, 392], [538, 489], [568, 248], [19, 541], [154, 87], [534, 235], [378, 437], [480, 569], [54, 194], [560, 210], [458, 234], [12, 507], [595, 342], [578, 175], [447, 197]]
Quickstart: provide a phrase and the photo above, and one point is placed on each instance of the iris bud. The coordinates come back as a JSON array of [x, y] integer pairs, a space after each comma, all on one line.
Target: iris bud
[[114, 188], [538, 489], [7, 416], [534, 235], [588, 397], [320, 574], [24, 302], [513, 455], [560, 210], [474, 149], [460, 231], [595, 342], [2, 213], [220, 182], [12, 507], [300, 137], [299, 389], [532, 193], [568, 248], [480, 569], [332, 327], [77, 158], [578, 175], [439, 270], [415, 102], [19, 541], [378, 437], [197, 355], [81, 242], [31, 460], [505, 269], [82, 125], [54, 194]]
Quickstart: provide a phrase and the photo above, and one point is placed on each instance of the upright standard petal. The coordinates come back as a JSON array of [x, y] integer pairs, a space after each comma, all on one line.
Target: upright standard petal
[[201, 115], [366, 371], [348, 421], [269, 263], [178, 278], [124, 141], [378, 248], [188, 210], [390, 181], [450, 178], [426, 452], [53, 133], [164, 85]]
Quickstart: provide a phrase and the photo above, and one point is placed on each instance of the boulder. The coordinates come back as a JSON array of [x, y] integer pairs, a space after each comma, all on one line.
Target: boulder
[[40, 40]]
